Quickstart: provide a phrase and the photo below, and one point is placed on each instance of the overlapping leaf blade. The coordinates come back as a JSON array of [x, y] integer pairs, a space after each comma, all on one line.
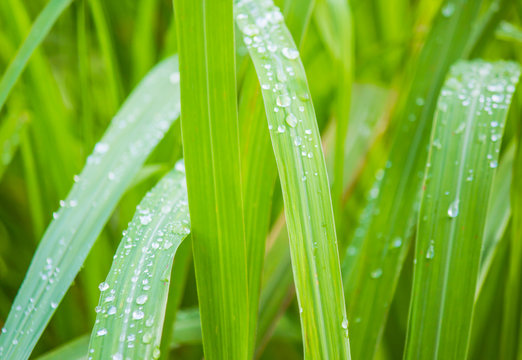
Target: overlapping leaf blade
[[376, 254], [465, 143], [132, 135], [302, 171], [134, 295]]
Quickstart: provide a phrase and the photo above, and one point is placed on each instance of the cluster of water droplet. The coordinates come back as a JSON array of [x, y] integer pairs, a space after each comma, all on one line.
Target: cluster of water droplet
[[472, 107], [141, 271], [280, 71]]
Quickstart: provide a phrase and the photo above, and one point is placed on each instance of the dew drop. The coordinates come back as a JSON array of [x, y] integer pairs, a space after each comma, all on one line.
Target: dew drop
[[344, 324], [147, 338], [448, 10], [493, 164], [283, 100], [430, 253], [145, 219], [281, 129], [377, 273], [103, 286], [142, 299], [289, 53], [101, 148], [137, 315], [291, 120], [453, 209], [101, 332], [112, 310], [397, 242]]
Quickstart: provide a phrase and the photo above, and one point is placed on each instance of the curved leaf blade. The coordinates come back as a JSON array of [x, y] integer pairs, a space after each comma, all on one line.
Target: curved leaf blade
[[134, 132], [302, 171], [134, 296]]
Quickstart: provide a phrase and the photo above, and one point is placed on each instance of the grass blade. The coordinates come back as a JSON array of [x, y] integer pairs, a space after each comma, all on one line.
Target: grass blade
[[209, 126], [512, 312], [376, 254], [117, 158], [134, 295], [334, 20], [466, 138], [39, 31], [302, 171]]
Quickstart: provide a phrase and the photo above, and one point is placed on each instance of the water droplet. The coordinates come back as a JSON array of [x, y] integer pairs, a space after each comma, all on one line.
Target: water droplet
[[430, 253], [297, 141], [101, 332], [291, 120], [344, 324], [377, 273], [137, 315], [281, 129], [448, 9], [147, 338], [142, 299], [283, 100], [101, 148], [145, 219], [54, 305], [156, 353], [112, 310], [103, 286], [117, 356], [289, 53], [397, 242], [308, 132], [493, 164], [453, 209], [419, 101]]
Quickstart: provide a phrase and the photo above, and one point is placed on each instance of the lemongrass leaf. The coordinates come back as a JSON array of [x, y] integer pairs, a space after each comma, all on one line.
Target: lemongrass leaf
[[134, 296], [511, 334], [465, 143], [376, 254], [134, 132], [302, 171], [39, 31], [209, 127]]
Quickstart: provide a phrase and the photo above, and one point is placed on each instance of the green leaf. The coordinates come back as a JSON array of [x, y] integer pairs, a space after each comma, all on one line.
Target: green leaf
[[334, 20], [134, 296], [187, 330], [209, 126], [11, 130], [39, 31], [376, 254], [117, 158], [464, 148], [302, 171], [512, 312]]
